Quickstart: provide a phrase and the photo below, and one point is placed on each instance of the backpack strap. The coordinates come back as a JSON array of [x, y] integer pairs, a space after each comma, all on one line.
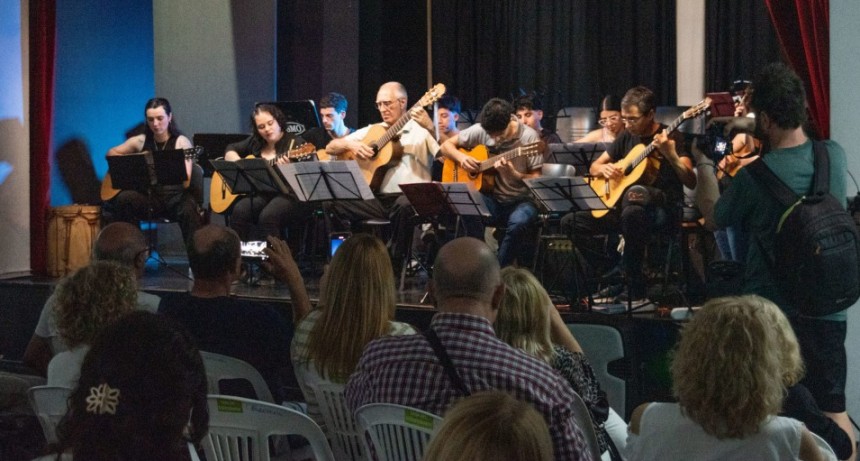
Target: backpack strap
[[445, 359], [777, 188], [821, 163]]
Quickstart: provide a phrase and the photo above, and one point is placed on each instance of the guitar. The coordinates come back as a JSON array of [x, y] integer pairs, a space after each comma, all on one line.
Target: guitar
[[379, 139], [484, 179], [108, 191], [634, 167], [220, 197], [732, 162]]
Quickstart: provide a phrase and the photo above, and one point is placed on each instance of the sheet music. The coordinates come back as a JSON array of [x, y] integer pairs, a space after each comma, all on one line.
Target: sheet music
[[465, 200], [321, 181], [557, 194]]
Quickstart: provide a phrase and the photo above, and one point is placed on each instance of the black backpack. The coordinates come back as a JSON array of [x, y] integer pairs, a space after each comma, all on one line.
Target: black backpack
[[816, 249]]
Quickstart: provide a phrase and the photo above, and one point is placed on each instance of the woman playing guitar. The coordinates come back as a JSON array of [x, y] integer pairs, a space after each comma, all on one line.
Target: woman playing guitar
[[259, 216]]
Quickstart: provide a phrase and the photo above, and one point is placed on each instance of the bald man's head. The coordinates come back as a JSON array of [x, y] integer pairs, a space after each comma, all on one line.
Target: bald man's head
[[465, 268], [214, 252], [120, 242]]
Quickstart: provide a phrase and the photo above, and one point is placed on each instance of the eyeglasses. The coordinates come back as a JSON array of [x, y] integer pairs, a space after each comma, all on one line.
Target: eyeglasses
[[631, 120], [385, 104], [608, 120]]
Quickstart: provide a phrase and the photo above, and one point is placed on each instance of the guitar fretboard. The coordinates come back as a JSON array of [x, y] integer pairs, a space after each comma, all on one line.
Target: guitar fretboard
[[528, 149]]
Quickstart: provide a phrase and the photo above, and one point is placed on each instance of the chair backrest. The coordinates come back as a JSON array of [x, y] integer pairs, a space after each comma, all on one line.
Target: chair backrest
[[603, 344], [558, 170], [396, 432], [239, 430], [583, 421], [572, 123], [341, 428], [50, 403], [221, 367]]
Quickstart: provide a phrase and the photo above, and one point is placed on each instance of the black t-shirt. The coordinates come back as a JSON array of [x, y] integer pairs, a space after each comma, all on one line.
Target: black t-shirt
[[254, 333], [667, 180], [253, 145]]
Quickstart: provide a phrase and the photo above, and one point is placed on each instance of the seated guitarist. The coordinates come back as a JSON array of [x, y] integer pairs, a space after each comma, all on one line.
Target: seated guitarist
[[267, 214], [419, 150], [173, 202], [511, 202], [644, 209]]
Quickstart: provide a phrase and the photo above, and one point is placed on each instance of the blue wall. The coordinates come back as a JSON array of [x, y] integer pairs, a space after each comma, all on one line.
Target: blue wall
[[104, 75]]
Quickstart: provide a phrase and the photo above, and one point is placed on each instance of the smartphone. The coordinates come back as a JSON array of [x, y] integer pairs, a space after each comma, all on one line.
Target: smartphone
[[337, 238], [254, 250]]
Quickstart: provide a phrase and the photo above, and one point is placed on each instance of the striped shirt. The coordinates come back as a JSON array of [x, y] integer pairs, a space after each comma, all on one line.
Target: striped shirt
[[404, 370]]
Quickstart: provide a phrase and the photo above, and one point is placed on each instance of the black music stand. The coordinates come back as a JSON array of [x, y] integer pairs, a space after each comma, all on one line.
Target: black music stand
[[145, 172], [563, 195], [325, 181], [579, 154]]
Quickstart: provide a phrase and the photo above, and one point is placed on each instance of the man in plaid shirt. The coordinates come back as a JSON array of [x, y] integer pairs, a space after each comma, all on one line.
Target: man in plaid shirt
[[405, 370]]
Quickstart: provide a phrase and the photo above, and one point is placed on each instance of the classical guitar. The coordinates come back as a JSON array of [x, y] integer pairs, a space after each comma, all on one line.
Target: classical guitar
[[484, 179], [380, 140], [108, 191], [750, 149], [220, 197], [638, 166]]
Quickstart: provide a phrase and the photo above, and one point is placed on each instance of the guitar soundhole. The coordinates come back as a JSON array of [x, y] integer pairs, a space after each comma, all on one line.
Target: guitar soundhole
[[473, 175], [375, 150]]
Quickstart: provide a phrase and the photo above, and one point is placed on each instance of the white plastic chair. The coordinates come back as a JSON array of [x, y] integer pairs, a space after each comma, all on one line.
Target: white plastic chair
[[50, 403], [341, 428], [239, 430], [572, 123], [220, 367], [583, 421], [396, 432], [603, 344]]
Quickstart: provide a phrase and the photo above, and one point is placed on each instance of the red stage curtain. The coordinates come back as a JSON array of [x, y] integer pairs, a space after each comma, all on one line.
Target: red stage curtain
[[803, 27], [42, 58]]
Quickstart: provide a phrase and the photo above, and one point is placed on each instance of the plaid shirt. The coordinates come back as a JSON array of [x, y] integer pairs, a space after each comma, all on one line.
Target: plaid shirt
[[404, 370]]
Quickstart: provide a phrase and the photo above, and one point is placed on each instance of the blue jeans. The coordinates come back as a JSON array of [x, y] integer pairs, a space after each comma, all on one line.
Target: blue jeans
[[520, 220]]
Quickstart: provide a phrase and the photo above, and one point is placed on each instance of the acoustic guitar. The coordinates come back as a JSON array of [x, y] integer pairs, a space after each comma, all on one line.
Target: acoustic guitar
[[484, 179], [638, 166], [385, 156], [750, 149], [108, 191], [220, 197]]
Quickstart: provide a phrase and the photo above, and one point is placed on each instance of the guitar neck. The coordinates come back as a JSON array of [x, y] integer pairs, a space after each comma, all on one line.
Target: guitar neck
[[395, 128], [507, 155], [651, 147]]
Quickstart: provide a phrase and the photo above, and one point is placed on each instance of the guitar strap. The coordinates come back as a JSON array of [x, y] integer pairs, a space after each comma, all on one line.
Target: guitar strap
[[442, 354]]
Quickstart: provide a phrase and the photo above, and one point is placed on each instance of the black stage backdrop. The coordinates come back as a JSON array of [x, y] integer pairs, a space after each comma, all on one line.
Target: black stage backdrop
[[739, 40], [572, 51]]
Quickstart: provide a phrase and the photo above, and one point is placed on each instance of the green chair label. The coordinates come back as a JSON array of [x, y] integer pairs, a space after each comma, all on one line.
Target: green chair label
[[418, 419], [229, 406]]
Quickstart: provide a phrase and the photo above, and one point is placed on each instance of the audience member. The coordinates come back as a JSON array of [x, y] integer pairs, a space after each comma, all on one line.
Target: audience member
[[121, 242], [251, 332], [779, 101], [610, 122], [405, 370], [729, 378], [357, 302], [528, 321], [142, 396], [491, 426], [87, 302]]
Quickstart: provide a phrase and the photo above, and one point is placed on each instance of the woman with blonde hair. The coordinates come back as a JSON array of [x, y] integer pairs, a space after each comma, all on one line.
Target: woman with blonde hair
[[357, 302], [729, 376], [491, 426], [87, 301], [527, 320]]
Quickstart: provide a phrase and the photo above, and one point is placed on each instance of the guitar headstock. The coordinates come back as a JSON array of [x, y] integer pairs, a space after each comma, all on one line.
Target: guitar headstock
[[194, 153], [302, 152], [530, 150], [432, 95], [698, 109]]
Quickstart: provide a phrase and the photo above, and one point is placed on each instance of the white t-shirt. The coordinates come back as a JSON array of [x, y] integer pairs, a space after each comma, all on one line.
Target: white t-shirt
[[665, 433], [65, 368]]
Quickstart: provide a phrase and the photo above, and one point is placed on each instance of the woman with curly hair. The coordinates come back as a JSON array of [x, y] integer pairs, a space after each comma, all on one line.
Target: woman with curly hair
[[357, 302], [141, 395], [729, 378], [86, 302], [527, 320]]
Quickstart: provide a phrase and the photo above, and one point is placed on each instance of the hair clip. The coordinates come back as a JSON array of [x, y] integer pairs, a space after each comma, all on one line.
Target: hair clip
[[102, 399]]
